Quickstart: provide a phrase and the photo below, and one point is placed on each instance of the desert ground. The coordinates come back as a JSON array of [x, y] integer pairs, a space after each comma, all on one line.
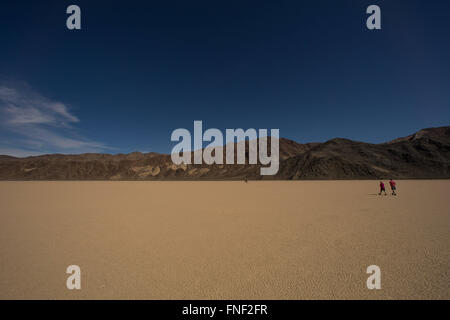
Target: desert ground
[[224, 240]]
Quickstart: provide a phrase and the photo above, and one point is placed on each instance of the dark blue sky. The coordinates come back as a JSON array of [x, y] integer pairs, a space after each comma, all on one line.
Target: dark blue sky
[[140, 69]]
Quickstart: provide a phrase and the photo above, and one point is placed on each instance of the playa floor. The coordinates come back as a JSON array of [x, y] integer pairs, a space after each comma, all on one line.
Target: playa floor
[[224, 240]]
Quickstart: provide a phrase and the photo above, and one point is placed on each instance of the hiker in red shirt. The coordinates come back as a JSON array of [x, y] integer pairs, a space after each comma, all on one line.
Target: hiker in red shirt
[[393, 187], [382, 188]]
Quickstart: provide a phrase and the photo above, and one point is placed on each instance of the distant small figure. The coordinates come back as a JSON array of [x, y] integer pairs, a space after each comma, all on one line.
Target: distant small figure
[[246, 180], [382, 188], [393, 187]]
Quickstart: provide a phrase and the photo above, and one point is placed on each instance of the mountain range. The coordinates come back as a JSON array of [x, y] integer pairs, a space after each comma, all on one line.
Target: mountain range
[[422, 155]]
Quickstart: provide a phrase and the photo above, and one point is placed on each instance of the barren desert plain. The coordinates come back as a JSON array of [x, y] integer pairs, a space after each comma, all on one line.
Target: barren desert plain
[[224, 240]]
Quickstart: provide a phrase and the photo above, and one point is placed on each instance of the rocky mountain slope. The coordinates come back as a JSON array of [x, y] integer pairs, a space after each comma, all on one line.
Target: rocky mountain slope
[[425, 154]]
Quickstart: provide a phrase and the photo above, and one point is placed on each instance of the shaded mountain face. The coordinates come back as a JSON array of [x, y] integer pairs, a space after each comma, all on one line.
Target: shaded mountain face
[[425, 154]]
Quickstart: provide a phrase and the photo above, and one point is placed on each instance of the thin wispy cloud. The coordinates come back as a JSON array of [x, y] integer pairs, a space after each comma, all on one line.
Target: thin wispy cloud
[[35, 124]]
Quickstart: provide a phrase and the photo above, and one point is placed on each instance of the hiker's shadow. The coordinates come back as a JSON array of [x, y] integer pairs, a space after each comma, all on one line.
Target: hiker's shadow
[[372, 194]]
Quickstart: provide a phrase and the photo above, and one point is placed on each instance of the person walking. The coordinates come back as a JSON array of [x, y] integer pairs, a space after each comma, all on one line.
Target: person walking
[[382, 188], [393, 187]]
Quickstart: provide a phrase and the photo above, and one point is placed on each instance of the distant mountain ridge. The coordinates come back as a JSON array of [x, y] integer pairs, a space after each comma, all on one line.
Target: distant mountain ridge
[[422, 155]]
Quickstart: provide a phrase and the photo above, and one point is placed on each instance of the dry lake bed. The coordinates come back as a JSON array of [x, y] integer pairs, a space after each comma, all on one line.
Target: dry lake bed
[[224, 240]]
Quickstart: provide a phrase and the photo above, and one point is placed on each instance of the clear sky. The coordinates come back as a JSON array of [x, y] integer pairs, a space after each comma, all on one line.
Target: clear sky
[[137, 70]]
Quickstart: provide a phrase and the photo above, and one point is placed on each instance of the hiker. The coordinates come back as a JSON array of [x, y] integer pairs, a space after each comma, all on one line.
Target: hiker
[[382, 188], [393, 187]]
